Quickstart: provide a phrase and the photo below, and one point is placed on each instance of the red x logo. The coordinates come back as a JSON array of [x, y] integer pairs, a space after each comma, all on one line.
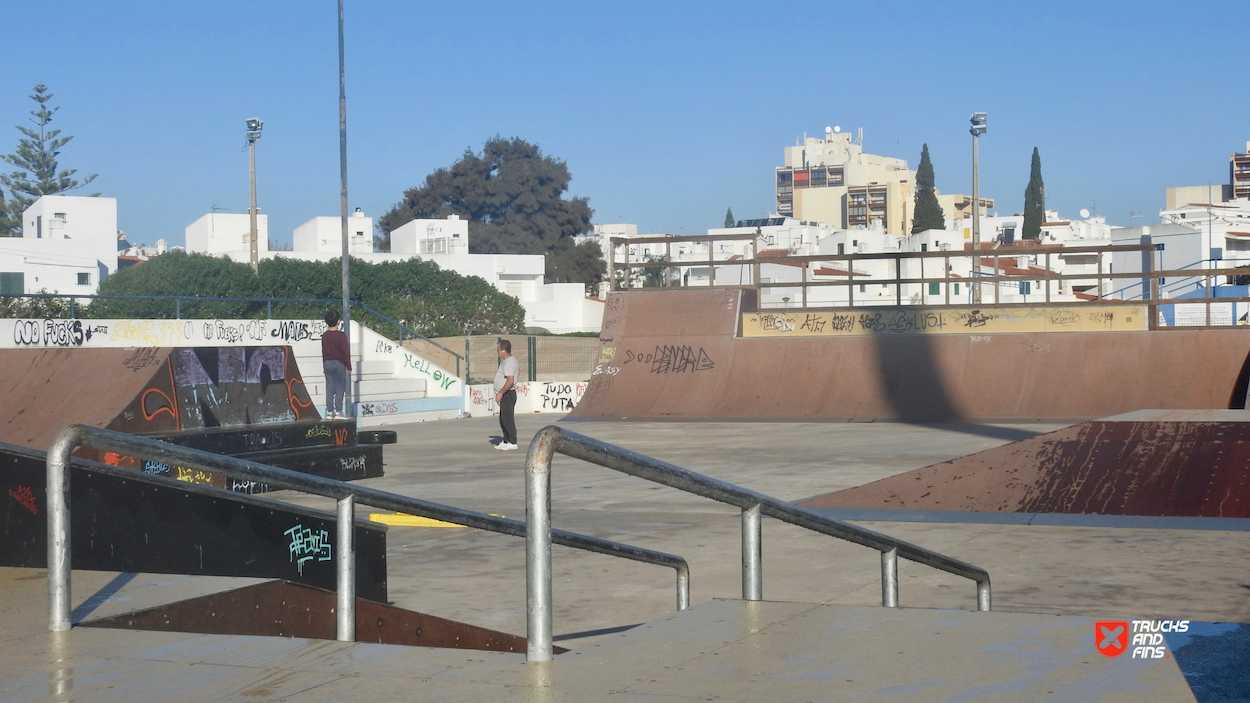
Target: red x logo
[[1111, 637]]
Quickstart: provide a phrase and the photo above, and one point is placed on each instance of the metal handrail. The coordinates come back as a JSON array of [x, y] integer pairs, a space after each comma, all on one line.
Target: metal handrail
[[75, 436], [552, 439]]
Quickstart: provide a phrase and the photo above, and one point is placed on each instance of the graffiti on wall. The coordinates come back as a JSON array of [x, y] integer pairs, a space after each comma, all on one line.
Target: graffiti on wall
[[892, 321]]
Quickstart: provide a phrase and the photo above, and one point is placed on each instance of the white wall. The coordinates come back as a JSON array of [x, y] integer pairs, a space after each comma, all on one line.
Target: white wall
[[430, 237], [219, 233], [63, 236], [324, 235]]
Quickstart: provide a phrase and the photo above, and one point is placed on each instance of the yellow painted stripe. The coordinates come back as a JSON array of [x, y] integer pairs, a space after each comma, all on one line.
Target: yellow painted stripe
[[402, 520]]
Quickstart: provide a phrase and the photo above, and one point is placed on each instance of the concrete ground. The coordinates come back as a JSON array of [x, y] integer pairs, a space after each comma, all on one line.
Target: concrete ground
[[478, 577], [813, 641]]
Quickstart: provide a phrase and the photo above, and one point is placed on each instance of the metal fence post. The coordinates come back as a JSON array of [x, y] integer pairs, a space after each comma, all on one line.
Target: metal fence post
[[467, 363], [73, 312], [752, 554], [177, 308], [269, 309], [533, 357], [538, 548], [889, 578], [58, 529], [346, 569]]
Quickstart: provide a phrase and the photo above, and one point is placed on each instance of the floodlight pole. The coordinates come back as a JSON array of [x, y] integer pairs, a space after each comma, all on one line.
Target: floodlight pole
[[347, 312], [253, 134], [978, 128]]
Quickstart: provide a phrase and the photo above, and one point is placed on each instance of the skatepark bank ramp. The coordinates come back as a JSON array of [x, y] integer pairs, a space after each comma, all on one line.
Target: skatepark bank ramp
[[683, 355]]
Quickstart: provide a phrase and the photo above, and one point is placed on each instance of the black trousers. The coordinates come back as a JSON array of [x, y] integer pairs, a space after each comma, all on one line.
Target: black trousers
[[507, 416]]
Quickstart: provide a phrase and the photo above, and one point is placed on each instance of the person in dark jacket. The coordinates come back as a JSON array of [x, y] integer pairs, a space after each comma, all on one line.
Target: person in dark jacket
[[336, 359]]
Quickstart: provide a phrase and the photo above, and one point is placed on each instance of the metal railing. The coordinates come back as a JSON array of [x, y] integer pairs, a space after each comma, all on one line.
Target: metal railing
[[75, 436], [552, 440], [178, 299]]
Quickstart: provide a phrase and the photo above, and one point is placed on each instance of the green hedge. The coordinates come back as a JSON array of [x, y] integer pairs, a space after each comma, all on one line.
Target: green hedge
[[432, 301]]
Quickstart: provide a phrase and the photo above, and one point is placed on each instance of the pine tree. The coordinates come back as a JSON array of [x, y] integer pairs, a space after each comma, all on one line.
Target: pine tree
[[1034, 201], [36, 160], [729, 217], [928, 213]]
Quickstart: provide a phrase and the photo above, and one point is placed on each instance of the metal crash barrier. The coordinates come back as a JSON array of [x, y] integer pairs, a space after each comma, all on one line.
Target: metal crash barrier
[[551, 440], [348, 496]]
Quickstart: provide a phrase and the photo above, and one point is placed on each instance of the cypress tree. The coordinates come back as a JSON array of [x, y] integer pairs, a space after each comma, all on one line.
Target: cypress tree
[[928, 213], [729, 217], [1034, 201]]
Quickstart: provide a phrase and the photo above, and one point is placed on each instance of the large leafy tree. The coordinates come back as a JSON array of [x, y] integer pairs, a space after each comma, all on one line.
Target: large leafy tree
[[513, 197], [38, 172], [1034, 201], [928, 213]]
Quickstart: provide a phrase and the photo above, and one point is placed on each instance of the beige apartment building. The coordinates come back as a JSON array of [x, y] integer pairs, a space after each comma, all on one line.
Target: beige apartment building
[[831, 180]]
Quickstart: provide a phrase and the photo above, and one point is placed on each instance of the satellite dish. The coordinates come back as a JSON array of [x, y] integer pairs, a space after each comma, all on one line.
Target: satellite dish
[[828, 130], [1085, 213], [837, 128]]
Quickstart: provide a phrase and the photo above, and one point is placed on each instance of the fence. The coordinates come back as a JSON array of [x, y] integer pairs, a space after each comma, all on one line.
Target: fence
[[955, 278], [541, 358]]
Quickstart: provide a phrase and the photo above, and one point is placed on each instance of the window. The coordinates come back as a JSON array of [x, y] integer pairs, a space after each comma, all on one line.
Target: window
[[1026, 287], [863, 288], [841, 249], [12, 283], [84, 279], [58, 216], [923, 247], [436, 246], [956, 289], [935, 289], [38, 226]]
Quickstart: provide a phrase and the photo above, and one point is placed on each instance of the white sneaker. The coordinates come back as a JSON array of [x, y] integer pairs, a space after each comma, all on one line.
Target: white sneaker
[[331, 415], [506, 446]]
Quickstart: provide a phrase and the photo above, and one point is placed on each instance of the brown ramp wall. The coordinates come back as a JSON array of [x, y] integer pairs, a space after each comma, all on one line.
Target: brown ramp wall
[[147, 390], [675, 355]]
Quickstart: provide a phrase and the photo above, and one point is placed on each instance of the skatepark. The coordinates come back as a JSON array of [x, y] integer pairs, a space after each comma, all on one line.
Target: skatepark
[[1096, 476]]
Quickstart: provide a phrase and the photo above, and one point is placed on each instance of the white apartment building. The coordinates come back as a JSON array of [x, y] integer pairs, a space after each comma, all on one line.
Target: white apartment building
[[554, 307], [228, 234], [68, 245]]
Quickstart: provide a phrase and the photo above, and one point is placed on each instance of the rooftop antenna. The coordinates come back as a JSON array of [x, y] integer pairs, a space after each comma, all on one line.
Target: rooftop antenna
[[217, 208]]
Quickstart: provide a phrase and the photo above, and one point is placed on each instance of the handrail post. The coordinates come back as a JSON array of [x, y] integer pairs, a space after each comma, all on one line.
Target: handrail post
[[538, 616], [752, 554], [59, 529], [346, 570], [683, 588], [983, 595], [889, 578]]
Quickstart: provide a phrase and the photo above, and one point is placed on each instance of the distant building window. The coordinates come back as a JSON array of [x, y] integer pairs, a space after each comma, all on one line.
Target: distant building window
[[12, 283], [863, 288], [58, 216], [841, 249], [84, 279], [935, 289], [924, 247], [38, 226], [956, 289]]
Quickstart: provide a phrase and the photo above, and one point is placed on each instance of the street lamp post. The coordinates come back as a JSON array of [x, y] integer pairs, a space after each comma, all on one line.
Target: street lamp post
[[347, 308], [253, 134], [978, 128]]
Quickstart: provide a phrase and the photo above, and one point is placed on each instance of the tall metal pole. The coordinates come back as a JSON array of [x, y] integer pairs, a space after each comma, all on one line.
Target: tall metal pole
[[347, 312], [976, 225], [251, 157], [978, 128]]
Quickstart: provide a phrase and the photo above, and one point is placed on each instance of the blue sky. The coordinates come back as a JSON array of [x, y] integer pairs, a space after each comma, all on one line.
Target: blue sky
[[666, 112]]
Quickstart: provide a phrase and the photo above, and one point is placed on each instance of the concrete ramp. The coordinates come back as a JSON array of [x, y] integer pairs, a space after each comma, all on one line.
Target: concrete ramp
[[677, 354], [147, 390], [1166, 464]]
